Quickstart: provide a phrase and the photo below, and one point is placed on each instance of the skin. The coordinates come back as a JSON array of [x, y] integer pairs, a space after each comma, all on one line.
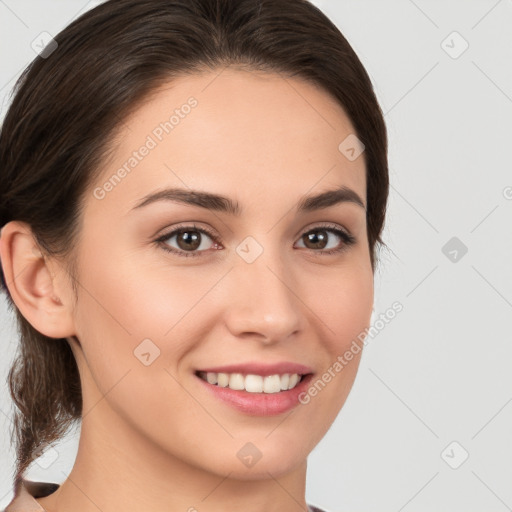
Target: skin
[[151, 437]]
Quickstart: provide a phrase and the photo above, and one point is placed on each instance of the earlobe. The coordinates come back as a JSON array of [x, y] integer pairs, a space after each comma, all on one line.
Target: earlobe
[[31, 283]]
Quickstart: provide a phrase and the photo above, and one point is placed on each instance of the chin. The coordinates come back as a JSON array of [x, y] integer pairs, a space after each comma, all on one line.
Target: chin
[[275, 465], [256, 459]]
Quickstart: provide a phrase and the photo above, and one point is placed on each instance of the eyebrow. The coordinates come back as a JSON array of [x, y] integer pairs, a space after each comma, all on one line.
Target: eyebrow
[[221, 203]]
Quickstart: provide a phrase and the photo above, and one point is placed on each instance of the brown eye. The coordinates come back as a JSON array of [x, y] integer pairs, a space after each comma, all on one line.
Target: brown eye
[[318, 240], [190, 241]]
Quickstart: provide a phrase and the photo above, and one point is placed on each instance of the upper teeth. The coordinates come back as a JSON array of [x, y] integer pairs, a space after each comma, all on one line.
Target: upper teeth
[[252, 383]]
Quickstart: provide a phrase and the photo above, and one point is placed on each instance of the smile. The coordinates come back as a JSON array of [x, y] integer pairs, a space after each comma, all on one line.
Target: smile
[[253, 383], [256, 388]]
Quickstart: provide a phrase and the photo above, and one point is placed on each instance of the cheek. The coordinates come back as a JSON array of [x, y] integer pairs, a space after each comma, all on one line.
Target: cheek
[[139, 320], [127, 302], [122, 321], [345, 305]]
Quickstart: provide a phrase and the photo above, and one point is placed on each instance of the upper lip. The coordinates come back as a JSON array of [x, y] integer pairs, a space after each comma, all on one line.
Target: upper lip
[[262, 369]]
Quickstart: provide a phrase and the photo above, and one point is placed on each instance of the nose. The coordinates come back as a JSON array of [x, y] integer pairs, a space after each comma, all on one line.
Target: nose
[[264, 304]]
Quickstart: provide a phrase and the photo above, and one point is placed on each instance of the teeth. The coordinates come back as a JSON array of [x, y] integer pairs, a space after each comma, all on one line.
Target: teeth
[[223, 380], [294, 378], [253, 383], [236, 381], [272, 384]]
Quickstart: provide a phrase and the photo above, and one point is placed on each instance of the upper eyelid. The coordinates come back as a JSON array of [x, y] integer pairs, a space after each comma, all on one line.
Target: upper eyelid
[[175, 230]]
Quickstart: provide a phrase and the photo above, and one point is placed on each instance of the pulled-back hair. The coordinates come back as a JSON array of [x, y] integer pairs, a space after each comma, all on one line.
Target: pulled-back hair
[[68, 104]]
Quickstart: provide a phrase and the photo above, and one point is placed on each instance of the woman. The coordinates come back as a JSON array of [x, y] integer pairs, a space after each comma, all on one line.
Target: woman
[[192, 196]]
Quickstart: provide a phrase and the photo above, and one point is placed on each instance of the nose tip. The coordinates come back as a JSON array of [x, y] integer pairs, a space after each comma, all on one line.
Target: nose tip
[[263, 306]]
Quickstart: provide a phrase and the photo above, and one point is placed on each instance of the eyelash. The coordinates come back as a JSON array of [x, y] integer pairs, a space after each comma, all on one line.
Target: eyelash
[[347, 238]]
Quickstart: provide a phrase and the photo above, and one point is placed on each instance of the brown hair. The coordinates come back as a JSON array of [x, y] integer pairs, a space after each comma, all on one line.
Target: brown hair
[[69, 103]]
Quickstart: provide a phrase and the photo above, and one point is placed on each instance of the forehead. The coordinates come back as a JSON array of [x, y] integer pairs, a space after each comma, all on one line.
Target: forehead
[[250, 135]]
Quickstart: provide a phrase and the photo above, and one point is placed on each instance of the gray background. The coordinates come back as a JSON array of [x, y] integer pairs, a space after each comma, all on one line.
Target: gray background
[[434, 385]]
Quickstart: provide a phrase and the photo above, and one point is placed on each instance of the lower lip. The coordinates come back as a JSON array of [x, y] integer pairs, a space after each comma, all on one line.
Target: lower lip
[[260, 404]]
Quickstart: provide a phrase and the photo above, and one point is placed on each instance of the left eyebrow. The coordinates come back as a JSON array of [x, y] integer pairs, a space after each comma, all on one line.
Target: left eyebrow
[[225, 204], [330, 198]]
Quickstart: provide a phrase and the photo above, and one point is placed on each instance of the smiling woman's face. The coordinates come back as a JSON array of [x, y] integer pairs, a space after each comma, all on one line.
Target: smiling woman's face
[[262, 291]]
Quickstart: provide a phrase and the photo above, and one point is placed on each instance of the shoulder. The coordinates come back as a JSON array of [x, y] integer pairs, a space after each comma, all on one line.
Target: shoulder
[[27, 491], [25, 494], [40, 489], [315, 509]]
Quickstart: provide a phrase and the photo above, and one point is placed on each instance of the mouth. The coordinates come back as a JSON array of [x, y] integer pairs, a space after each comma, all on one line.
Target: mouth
[[253, 383], [257, 389]]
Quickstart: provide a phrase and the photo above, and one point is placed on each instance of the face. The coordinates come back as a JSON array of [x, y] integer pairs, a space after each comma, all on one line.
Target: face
[[254, 285]]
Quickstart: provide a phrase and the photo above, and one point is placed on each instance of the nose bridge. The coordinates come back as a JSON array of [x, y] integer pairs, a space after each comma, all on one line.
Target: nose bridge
[[263, 299]]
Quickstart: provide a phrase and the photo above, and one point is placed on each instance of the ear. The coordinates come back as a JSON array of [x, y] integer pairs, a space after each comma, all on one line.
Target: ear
[[37, 292]]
